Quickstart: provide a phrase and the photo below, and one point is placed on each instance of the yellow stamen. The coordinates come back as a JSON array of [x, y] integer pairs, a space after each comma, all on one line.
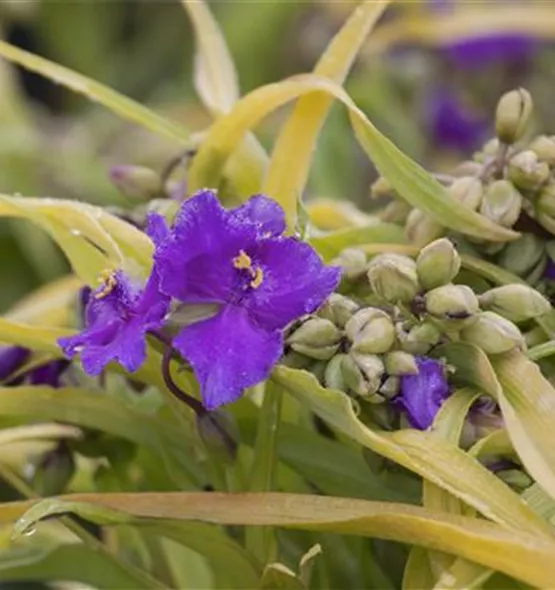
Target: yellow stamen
[[243, 261], [108, 278], [258, 278]]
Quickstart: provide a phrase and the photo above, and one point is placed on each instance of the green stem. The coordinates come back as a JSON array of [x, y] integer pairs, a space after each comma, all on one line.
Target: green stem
[[140, 577], [260, 541]]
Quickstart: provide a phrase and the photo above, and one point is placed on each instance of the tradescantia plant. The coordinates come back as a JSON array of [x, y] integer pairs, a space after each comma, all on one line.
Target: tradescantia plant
[[240, 399]]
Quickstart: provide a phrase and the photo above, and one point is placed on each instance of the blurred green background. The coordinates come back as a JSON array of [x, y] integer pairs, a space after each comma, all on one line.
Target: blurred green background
[[54, 143]]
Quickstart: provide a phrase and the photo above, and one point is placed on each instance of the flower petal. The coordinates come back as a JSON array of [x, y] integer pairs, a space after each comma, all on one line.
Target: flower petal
[[228, 353], [295, 282], [196, 264], [265, 213], [422, 395]]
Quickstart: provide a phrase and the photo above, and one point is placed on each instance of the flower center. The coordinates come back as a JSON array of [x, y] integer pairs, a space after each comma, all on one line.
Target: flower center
[[108, 281], [244, 262]]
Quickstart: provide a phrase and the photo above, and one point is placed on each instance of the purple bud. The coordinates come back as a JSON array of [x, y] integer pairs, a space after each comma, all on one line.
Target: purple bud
[[422, 395], [11, 359], [49, 373]]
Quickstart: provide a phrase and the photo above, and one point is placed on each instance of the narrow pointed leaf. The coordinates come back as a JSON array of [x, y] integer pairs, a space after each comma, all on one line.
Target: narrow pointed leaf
[[422, 452], [409, 179], [119, 104], [520, 554], [292, 154], [528, 406]]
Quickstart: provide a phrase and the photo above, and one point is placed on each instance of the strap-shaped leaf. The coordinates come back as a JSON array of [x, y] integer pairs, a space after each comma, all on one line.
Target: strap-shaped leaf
[[292, 154], [121, 105], [422, 452], [410, 180], [528, 405], [520, 554]]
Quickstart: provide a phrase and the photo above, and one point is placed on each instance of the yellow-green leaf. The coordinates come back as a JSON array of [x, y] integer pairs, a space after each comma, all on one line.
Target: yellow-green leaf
[[215, 75], [422, 452], [292, 154], [520, 554], [528, 406], [118, 103], [410, 180]]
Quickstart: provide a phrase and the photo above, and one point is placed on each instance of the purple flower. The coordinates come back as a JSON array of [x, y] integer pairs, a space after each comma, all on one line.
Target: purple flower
[[454, 125], [476, 52], [261, 280], [13, 358], [118, 316], [422, 395]]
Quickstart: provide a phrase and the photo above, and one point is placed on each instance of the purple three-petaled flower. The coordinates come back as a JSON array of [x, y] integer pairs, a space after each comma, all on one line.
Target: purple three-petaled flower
[[262, 280], [422, 395], [117, 316]]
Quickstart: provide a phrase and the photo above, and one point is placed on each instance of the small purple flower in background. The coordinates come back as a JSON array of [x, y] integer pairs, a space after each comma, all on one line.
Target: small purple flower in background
[[422, 395], [452, 124], [13, 358], [479, 51], [261, 280], [117, 316]]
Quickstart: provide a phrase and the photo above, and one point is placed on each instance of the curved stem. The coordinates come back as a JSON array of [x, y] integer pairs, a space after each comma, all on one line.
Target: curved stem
[[192, 402]]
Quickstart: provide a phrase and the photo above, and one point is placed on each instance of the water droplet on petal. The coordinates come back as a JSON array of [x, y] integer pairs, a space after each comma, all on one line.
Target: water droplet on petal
[[75, 232]]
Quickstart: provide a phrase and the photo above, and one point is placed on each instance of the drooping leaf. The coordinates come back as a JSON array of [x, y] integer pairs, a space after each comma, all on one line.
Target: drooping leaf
[[292, 154], [421, 452], [528, 406], [410, 181], [118, 103], [520, 554]]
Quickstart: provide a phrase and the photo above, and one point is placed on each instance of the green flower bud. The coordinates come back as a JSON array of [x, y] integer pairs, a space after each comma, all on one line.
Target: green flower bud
[[546, 221], [318, 369], [333, 375], [544, 147], [468, 168], [395, 212], [338, 309], [545, 202], [319, 353], [420, 339], [468, 190], [219, 433], [491, 147], [517, 303], [501, 203], [390, 387], [363, 373], [522, 255], [295, 360], [393, 277], [371, 331], [514, 111], [382, 189], [352, 262], [456, 302], [493, 334], [437, 264], [420, 229], [399, 363], [315, 332], [526, 171], [136, 182]]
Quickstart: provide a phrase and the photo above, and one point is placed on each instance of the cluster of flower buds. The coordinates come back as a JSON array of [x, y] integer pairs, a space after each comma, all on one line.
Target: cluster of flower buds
[[511, 181], [369, 345]]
